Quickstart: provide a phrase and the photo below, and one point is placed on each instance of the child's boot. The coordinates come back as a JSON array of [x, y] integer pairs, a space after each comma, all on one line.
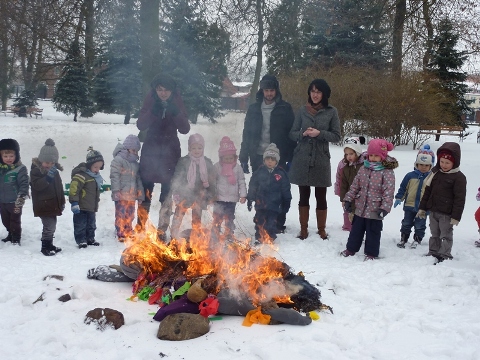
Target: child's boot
[[417, 240], [47, 248], [477, 242], [403, 240], [92, 242], [16, 238], [8, 238]]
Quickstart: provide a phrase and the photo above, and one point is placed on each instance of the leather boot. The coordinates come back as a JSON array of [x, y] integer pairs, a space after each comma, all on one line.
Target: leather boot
[[403, 240], [304, 212], [321, 223], [8, 238]]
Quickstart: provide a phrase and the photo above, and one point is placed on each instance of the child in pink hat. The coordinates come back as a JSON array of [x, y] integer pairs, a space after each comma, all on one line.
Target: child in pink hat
[[231, 188]]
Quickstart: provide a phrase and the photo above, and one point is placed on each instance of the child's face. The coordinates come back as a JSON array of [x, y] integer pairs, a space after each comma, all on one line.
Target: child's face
[[8, 158], [196, 150], [47, 165], [423, 168], [270, 162], [351, 155], [133, 151], [374, 158], [445, 164], [95, 168], [228, 159]]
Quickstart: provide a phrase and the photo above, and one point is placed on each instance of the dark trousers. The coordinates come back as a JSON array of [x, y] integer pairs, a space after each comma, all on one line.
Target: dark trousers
[[84, 226], [320, 196], [124, 214], [148, 188], [49, 226], [11, 220], [224, 211], [409, 220], [265, 222], [144, 207], [373, 230]]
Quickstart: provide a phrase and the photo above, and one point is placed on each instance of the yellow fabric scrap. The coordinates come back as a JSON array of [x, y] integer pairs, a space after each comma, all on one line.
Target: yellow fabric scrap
[[313, 315], [255, 316]]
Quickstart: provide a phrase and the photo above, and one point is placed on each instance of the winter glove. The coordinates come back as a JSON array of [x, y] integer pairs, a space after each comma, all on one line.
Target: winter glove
[[347, 205], [245, 168], [18, 205], [249, 205], [421, 214], [116, 195], [382, 213], [51, 173], [75, 208], [478, 195], [397, 202], [172, 109], [454, 222]]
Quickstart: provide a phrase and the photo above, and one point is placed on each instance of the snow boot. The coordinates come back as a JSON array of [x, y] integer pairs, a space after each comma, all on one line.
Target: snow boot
[[92, 242], [8, 238], [403, 240], [303, 212], [321, 223], [347, 253], [417, 240], [16, 238], [47, 248], [368, 257]]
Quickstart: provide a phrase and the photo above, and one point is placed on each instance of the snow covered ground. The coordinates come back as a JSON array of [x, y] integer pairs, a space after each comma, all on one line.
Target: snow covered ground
[[397, 307]]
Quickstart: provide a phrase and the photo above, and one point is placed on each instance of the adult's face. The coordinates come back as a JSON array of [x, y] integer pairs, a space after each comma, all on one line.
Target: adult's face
[[163, 93], [269, 95], [316, 95]]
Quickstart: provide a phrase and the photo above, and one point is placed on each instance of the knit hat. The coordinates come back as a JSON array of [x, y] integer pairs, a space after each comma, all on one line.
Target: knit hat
[[354, 144], [445, 154], [272, 151], [48, 152], [196, 139], [269, 82], [165, 81], [10, 144], [227, 147], [93, 156], [379, 147], [425, 149], [132, 142]]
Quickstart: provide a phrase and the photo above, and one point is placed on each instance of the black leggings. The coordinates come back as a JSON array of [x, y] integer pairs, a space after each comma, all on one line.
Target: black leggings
[[320, 196]]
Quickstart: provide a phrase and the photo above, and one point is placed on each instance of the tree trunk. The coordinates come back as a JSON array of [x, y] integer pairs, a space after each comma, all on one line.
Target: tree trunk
[[89, 11], [75, 115], [260, 43], [398, 24], [428, 24], [149, 41]]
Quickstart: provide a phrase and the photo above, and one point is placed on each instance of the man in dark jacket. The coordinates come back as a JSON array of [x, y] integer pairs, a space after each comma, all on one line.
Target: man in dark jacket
[[268, 120]]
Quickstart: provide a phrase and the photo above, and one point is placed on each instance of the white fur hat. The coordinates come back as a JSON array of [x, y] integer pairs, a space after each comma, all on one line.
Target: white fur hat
[[354, 144]]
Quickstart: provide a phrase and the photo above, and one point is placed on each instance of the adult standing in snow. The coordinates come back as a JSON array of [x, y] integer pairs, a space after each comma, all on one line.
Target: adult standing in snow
[[268, 120], [316, 125], [161, 116]]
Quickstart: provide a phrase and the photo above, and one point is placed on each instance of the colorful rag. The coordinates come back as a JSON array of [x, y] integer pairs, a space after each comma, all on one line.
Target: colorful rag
[[255, 316], [209, 306]]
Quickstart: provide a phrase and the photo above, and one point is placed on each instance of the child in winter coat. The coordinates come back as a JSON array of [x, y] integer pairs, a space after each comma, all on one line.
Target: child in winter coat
[[477, 218], [231, 188], [126, 184], [372, 192], [350, 164], [444, 197], [269, 188], [47, 193], [193, 184], [84, 198], [411, 191], [13, 189]]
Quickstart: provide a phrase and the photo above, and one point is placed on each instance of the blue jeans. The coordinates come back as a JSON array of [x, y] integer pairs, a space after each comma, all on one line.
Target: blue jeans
[[124, 214], [84, 226], [409, 220], [266, 220], [373, 229]]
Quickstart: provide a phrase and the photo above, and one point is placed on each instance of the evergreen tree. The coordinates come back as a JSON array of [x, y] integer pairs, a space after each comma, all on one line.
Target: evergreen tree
[[72, 91], [118, 86], [26, 99], [445, 65], [195, 53]]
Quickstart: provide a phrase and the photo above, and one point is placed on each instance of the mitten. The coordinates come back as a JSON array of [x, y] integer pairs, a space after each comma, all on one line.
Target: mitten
[[454, 222], [18, 205], [116, 195], [51, 173], [249, 205], [421, 214], [347, 205], [397, 202], [75, 208], [382, 213], [245, 168]]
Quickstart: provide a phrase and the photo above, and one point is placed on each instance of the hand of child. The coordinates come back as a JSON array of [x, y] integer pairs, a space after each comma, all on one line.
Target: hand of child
[[242, 200], [116, 195], [478, 195], [51, 173], [19, 202], [382, 213], [421, 214], [249, 205], [75, 208], [140, 202], [454, 222], [397, 202], [245, 168], [347, 205]]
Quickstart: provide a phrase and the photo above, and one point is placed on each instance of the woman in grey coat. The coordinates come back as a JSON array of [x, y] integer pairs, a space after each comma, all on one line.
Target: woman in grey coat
[[316, 125]]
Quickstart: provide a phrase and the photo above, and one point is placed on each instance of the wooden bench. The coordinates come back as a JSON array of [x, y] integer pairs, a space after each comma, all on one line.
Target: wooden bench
[[438, 130], [37, 112], [11, 110]]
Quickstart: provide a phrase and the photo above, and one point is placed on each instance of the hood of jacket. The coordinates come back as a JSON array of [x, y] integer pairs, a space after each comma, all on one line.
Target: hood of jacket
[[390, 162], [82, 167], [117, 149], [454, 149]]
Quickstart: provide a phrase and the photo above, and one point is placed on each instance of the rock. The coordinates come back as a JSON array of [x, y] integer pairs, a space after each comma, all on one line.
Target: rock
[[196, 293], [105, 318], [58, 277], [182, 326], [65, 298]]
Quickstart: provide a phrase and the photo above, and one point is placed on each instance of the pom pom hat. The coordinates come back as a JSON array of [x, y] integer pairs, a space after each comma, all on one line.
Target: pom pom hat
[[132, 142], [48, 152], [354, 144], [196, 139], [379, 147], [272, 151], [94, 156], [227, 147], [425, 149]]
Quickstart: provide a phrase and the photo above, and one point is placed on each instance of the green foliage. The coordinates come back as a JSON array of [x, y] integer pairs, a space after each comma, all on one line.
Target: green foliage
[[72, 90], [26, 99]]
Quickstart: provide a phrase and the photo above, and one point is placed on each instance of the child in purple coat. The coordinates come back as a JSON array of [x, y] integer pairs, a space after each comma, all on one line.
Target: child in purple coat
[[372, 191]]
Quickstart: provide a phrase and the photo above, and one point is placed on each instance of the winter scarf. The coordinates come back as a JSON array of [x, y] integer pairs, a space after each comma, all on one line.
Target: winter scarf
[[164, 105], [98, 178], [227, 170], [313, 109], [375, 166], [126, 155], [7, 168], [192, 171]]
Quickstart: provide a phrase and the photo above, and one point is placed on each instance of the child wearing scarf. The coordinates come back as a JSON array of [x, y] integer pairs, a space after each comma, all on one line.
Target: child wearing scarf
[[84, 197], [193, 185], [231, 188], [127, 186], [372, 191]]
